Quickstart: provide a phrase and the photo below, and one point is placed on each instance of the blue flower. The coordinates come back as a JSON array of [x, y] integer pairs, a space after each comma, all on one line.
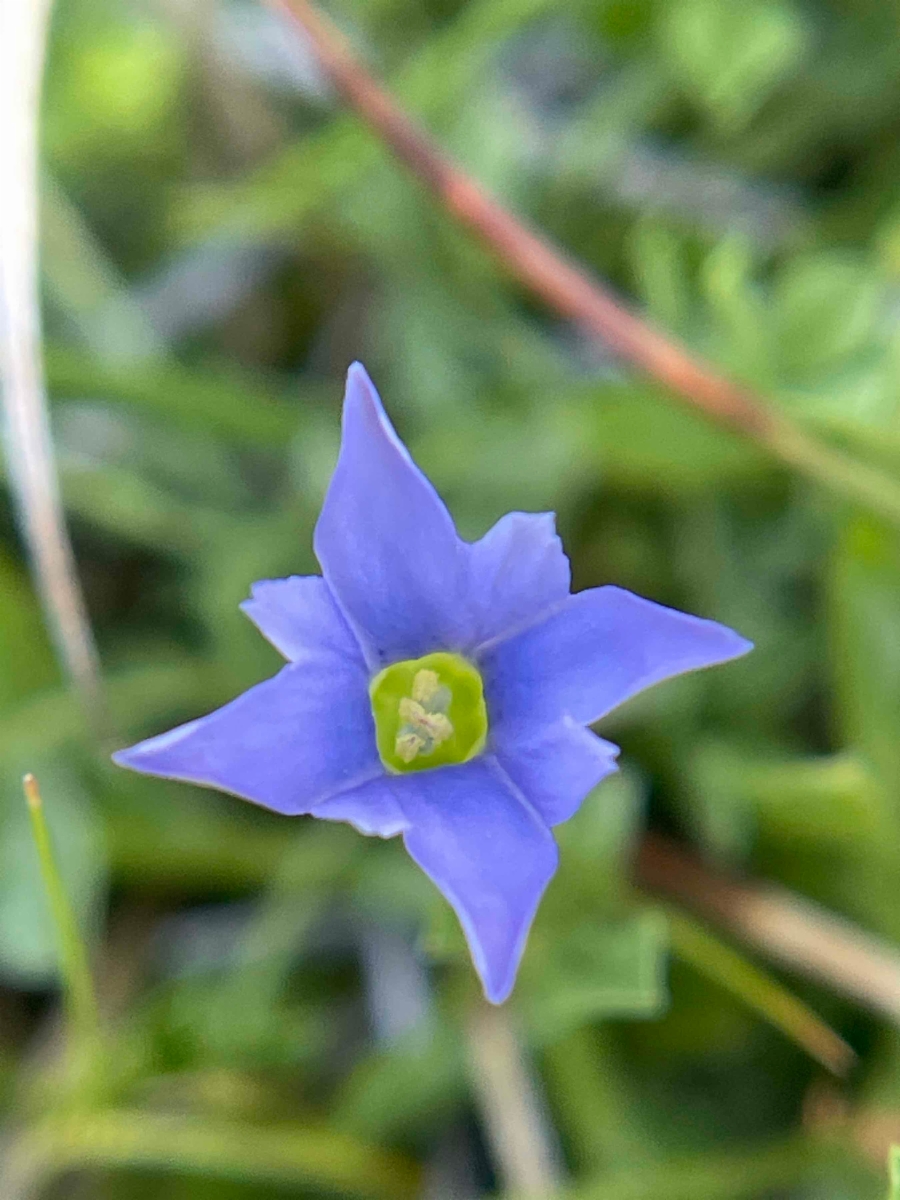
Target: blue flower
[[435, 688]]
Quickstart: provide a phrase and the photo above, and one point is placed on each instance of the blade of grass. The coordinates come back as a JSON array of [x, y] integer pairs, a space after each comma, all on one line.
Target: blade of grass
[[77, 980], [759, 991], [797, 1167], [894, 1173], [285, 1155]]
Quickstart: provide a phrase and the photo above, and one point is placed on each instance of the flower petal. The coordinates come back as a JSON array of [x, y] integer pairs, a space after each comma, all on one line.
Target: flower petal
[[371, 808], [489, 853], [386, 542], [596, 651], [299, 615], [518, 571], [288, 744], [555, 766]]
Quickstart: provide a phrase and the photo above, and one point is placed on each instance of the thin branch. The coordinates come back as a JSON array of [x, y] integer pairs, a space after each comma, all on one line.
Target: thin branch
[[570, 291], [784, 927], [28, 443]]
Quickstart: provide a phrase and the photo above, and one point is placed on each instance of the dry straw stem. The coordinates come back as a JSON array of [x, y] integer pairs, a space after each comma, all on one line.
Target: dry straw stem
[[522, 1141], [570, 291], [782, 926], [29, 447]]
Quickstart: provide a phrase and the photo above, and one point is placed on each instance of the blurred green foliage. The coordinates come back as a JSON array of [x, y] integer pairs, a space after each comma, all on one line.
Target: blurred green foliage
[[288, 1001]]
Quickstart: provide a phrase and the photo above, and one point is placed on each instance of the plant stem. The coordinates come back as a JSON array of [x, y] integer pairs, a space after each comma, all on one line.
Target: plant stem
[[29, 448], [522, 1141], [786, 928], [569, 290]]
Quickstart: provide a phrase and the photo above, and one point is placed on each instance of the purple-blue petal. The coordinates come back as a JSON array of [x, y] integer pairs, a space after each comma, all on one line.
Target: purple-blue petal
[[489, 852], [372, 808], [518, 571], [386, 542], [555, 766], [597, 650], [299, 616], [288, 744]]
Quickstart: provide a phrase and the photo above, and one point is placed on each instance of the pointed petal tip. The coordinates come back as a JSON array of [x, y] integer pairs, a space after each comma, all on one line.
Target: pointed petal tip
[[497, 969], [497, 991], [135, 757], [740, 644], [497, 978], [359, 380], [491, 856], [125, 757], [498, 972], [362, 399]]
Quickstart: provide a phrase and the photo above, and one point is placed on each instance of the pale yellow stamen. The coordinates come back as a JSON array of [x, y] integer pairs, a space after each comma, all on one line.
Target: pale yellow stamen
[[427, 690], [431, 724], [425, 722], [407, 746]]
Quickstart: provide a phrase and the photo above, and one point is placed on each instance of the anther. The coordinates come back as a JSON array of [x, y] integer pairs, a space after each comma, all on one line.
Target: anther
[[429, 712], [425, 721]]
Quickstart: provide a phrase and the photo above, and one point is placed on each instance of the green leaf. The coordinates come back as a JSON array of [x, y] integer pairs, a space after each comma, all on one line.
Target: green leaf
[[215, 399], [414, 1084], [286, 1155], [596, 970], [828, 801], [732, 53], [865, 650], [26, 655], [660, 267], [645, 443], [826, 308]]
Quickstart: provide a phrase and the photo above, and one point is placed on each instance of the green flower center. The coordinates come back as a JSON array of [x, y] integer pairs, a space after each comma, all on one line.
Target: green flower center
[[429, 712]]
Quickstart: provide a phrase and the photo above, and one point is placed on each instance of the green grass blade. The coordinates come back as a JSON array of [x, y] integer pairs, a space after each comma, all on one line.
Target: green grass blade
[[78, 983], [283, 1156], [725, 966], [894, 1173]]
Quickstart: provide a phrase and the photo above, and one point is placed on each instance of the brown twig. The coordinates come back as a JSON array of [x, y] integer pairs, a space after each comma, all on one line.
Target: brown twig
[[781, 925], [570, 291]]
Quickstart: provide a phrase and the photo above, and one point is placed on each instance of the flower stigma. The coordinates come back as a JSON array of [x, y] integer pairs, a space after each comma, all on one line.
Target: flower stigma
[[429, 712]]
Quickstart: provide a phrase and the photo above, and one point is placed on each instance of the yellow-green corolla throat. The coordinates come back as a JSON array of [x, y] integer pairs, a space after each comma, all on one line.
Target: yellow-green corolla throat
[[429, 712]]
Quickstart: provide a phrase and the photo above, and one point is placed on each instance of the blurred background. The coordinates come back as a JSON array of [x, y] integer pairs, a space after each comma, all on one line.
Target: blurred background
[[289, 1008]]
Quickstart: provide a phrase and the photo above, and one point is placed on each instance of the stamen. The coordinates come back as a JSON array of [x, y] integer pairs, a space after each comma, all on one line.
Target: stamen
[[428, 691], [429, 712], [424, 716], [407, 746]]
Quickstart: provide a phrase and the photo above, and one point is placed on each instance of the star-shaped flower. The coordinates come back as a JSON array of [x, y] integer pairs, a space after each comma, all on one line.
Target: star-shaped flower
[[436, 688]]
